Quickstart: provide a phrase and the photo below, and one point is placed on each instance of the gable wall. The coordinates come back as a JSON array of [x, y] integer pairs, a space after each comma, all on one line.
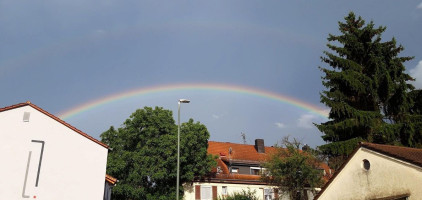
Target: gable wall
[[386, 177], [73, 167]]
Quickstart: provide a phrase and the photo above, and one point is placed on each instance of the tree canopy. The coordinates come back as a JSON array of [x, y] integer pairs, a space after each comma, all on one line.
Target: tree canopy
[[293, 170], [368, 92], [144, 154]]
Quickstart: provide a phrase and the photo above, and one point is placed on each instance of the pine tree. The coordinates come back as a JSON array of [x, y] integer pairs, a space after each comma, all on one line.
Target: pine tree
[[367, 90]]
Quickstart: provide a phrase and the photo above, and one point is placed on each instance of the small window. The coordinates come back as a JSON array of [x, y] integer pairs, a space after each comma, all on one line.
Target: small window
[[366, 164], [219, 170], [26, 116], [224, 190], [255, 170], [268, 194], [235, 170]]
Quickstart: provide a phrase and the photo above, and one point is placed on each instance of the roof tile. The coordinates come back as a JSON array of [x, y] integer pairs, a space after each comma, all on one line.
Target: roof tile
[[411, 155], [111, 179]]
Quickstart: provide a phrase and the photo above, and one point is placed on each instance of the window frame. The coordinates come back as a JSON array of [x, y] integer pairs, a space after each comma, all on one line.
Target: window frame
[[203, 187], [255, 168]]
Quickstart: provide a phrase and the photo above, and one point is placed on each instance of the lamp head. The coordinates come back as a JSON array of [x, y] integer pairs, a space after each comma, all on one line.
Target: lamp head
[[184, 101]]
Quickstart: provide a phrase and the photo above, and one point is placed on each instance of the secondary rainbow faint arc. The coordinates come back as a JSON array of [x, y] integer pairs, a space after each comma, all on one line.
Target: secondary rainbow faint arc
[[172, 87]]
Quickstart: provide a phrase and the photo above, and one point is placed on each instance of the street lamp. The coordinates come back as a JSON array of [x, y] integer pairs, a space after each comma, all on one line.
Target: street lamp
[[178, 144]]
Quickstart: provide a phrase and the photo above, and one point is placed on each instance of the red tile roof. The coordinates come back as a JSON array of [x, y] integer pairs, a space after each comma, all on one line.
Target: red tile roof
[[241, 152], [55, 118], [411, 155], [111, 179]]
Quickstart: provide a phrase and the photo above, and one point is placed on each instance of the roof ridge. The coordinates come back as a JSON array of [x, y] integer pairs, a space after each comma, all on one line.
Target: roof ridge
[[236, 143], [387, 145], [28, 103]]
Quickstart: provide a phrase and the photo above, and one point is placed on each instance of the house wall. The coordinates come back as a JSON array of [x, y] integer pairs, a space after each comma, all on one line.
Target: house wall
[[73, 167], [386, 177], [231, 188]]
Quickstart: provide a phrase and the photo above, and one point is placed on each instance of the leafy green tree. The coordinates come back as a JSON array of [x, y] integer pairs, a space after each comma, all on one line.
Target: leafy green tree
[[293, 170], [367, 90], [144, 155]]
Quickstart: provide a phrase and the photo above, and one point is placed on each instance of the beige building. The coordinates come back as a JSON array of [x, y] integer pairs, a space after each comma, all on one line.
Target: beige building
[[377, 171]]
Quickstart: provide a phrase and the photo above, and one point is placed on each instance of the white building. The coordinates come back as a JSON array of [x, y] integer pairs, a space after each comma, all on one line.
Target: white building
[[376, 171], [43, 157]]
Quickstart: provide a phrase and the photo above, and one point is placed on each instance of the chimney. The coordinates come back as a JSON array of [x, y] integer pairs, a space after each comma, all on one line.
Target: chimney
[[259, 145], [306, 147]]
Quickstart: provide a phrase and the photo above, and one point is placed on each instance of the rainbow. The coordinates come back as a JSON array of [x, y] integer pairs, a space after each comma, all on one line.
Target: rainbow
[[197, 86]]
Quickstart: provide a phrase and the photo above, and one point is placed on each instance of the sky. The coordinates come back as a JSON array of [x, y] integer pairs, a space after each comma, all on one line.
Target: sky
[[61, 55]]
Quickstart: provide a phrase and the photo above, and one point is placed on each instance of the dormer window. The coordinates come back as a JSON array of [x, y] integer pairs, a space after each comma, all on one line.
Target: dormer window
[[219, 170], [234, 170], [255, 170]]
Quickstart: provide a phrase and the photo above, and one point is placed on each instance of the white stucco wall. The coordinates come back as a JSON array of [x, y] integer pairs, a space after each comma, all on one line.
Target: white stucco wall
[[237, 188], [73, 167], [386, 177], [231, 188]]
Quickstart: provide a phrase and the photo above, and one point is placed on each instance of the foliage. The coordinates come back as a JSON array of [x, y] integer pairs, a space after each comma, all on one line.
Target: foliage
[[367, 90], [144, 154], [244, 195], [292, 170]]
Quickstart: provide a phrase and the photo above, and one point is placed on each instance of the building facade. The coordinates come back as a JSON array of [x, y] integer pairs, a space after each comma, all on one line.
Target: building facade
[[238, 169], [376, 171], [43, 157]]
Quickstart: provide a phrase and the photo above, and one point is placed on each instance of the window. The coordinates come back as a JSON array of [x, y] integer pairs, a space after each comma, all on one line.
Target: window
[[366, 164], [219, 170], [206, 193], [224, 191], [255, 170], [268, 195], [235, 170], [26, 116]]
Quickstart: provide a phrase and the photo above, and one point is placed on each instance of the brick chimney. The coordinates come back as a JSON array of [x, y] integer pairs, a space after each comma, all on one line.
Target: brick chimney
[[259, 145], [306, 147]]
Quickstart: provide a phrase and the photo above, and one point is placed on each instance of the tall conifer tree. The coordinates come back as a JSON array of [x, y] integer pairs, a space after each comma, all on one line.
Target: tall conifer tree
[[367, 90]]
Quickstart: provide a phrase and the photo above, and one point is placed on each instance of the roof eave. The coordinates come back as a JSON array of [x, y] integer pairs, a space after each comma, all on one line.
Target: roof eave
[[28, 103]]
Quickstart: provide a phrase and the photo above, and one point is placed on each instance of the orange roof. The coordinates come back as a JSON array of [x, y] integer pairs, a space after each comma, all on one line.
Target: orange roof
[[241, 152], [111, 179], [55, 118], [239, 176]]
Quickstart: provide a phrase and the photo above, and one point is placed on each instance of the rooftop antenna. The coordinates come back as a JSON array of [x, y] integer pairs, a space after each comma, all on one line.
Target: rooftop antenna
[[243, 135]]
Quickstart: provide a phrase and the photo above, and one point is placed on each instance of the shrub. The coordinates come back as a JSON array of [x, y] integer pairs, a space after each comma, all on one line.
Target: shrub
[[244, 195]]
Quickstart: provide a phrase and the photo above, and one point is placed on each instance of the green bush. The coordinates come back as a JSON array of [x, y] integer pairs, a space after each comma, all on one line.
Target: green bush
[[244, 195]]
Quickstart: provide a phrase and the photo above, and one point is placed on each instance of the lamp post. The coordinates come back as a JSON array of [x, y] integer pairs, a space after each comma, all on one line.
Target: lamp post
[[178, 144]]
